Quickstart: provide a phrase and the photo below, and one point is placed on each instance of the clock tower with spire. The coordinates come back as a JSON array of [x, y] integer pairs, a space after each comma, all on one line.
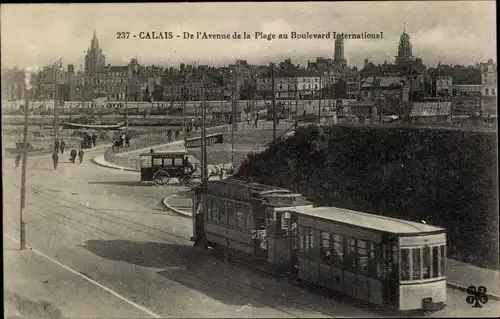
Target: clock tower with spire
[[404, 49]]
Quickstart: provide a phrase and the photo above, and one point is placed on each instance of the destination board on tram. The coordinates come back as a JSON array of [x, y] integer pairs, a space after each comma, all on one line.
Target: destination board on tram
[[234, 191], [210, 140]]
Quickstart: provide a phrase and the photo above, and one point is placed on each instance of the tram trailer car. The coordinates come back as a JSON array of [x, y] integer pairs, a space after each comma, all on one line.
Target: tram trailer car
[[385, 261]]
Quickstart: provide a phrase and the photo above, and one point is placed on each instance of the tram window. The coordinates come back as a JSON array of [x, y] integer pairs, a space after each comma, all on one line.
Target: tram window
[[426, 263], [208, 207], [326, 250], [215, 209], [231, 218], [222, 211], [416, 273], [338, 249], [436, 271], [374, 260], [306, 239], [301, 239], [405, 264], [240, 217], [350, 259], [443, 260], [249, 225], [362, 256]]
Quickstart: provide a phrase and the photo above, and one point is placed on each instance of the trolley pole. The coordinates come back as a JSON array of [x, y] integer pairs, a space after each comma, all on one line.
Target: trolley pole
[[274, 101], [22, 235], [184, 115]]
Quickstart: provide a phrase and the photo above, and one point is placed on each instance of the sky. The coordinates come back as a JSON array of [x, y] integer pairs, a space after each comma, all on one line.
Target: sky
[[453, 32]]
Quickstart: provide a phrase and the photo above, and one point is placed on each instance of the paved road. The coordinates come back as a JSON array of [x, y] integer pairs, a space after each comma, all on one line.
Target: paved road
[[127, 257], [103, 224]]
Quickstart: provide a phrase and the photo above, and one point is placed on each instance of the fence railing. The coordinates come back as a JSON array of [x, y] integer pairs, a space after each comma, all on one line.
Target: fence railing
[[118, 156]]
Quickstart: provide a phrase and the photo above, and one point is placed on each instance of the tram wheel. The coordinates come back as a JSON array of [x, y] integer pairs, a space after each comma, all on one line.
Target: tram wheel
[[161, 178]]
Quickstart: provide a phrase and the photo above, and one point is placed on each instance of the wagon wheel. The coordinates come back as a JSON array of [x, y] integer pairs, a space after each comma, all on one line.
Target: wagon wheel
[[161, 177], [186, 179]]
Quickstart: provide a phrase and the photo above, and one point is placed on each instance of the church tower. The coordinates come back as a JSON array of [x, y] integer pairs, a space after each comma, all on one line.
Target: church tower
[[338, 55], [94, 59], [404, 49]]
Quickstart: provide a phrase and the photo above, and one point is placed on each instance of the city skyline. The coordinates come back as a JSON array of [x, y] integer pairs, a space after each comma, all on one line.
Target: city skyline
[[439, 31]]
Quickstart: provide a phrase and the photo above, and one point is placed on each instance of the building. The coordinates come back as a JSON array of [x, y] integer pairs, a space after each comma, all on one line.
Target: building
[[404, 49], [95, 60], [431, 113], [381, 87], [444, 85], [338, 55], [489, 78], [291, 84]]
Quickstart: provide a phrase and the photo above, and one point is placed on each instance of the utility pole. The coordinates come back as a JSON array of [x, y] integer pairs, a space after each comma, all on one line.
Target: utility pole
[[379, 101], [296, 99], [22, 235], [126, 109], [203, 133], [274, 101], [234, 124], [184, 115], [320, 96], [56, 126]]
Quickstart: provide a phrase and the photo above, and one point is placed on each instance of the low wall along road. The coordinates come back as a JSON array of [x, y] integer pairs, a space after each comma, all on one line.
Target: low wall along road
[[247, 137]]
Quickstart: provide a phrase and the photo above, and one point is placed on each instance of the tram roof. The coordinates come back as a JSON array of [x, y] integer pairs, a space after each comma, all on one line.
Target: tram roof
[[365, 220], [255, 187]]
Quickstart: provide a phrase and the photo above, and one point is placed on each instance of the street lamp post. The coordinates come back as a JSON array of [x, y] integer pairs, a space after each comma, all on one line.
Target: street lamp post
[[22, 235]]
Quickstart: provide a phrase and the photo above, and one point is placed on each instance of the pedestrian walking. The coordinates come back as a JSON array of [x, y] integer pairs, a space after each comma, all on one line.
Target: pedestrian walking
[[56, 145], [94, 138], [55, 159], [62, 146], [18, 159], [72, 155], [177, 134], [127, 141], [80, 155]]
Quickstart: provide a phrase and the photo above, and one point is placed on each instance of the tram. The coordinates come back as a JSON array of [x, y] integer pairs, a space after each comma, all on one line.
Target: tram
[[386, 261]]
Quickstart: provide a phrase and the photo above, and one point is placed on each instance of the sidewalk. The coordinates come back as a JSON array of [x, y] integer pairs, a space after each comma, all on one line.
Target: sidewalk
[[459, 275], [37, 287]]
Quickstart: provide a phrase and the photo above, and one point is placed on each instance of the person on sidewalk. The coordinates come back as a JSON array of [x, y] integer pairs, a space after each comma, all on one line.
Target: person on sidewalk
[[94, 139], [72, 156], [56, 146], [80, 155], [177, 134], [18, 159], [55, 159], [62, 145], [127, 141]]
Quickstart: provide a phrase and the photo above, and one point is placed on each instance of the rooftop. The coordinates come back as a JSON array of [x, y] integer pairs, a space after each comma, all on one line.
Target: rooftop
[[431, 109], [364, 220]]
